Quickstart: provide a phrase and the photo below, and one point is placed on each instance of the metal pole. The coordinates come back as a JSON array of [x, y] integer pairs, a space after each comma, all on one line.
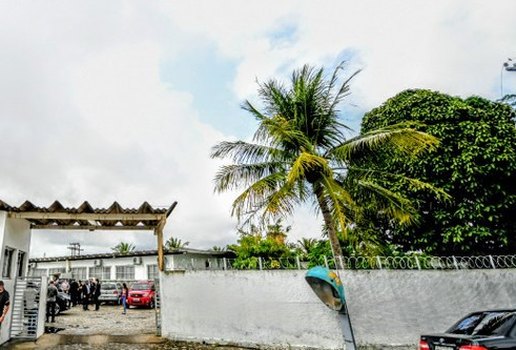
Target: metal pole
[[224, 263], [379, 261], [326, 261], [260, 265], [455, 263], [347, 329], [501, 81], [417, 263], [298, 262], [492, 261]]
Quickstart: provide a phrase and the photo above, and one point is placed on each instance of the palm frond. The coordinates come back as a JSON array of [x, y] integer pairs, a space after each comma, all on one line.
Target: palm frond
[[377, 175], [399, 137], [389, 203], [244, 152], [235, 176]]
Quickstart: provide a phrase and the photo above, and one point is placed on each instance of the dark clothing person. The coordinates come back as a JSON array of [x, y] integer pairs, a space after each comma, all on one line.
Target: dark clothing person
[[96, 295], [74, 293], [85, 296], [51, 302], [4, 303]]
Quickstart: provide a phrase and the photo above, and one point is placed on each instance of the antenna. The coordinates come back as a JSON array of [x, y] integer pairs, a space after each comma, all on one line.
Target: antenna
[[75, 249]]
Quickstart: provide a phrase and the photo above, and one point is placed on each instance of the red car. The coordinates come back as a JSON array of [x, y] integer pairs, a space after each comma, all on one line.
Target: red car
[[142, 294]]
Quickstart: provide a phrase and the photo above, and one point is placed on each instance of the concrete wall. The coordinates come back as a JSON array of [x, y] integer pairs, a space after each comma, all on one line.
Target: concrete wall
[[277, 308], [15, 234]]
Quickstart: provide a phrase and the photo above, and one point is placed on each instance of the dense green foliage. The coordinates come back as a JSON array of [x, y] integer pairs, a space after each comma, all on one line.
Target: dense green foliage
[[475, 163], [271, 247], [300, 154]]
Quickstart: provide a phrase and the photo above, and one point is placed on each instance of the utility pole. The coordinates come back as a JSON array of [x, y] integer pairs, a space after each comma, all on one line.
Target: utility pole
[[509, 66], [75, 249]]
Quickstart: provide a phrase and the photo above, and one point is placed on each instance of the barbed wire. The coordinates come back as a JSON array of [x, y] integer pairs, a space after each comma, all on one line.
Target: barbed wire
[[414, 262]]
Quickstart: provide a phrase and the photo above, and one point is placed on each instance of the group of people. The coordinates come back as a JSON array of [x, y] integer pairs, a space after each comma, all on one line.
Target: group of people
[[80, 292]]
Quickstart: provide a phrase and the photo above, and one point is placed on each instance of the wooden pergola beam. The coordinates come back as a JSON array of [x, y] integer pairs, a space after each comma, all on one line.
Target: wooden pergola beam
[[27, 215], [159, 237], [92, 227]]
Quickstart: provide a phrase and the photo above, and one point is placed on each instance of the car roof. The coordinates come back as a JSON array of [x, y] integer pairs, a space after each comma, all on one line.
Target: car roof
[[493, 310]]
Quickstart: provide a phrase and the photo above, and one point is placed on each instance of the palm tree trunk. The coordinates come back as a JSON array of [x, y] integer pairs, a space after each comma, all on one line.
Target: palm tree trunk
[[330, 226]]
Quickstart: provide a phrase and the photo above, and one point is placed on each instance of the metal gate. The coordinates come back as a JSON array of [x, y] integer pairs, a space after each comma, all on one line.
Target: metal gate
[[157, 306], [26, 308]]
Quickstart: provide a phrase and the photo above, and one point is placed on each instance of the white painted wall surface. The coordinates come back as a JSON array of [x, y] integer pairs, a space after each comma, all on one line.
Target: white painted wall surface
[[273, 308], [15, 234], [277, 308]]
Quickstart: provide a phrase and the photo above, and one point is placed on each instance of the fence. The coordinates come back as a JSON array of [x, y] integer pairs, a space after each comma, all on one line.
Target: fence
[[26, 320], [415, 262]]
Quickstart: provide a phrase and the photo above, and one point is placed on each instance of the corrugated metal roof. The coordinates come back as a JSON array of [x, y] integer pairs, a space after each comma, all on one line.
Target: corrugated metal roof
[[86, 216]]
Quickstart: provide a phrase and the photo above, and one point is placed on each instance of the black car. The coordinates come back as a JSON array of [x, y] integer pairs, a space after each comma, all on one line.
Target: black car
[[483, 330], [62, 302]]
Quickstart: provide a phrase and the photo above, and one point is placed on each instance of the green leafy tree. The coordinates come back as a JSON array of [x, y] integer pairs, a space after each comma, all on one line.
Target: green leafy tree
[[300, 154], [175, 243], [124, 248], [475, 162], [271, 247]]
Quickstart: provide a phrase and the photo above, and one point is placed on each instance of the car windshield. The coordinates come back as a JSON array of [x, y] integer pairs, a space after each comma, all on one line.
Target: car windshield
[[141, 286], [108, 286], [485, 323]]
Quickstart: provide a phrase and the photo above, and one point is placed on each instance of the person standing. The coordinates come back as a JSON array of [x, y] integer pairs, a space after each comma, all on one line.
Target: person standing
[[51, 301], [74, 291], [125, 294], [86, 290], [4, 302], [96, 294]]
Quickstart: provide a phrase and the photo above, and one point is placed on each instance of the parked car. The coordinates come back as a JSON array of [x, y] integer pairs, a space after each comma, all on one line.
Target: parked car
[[142, 293], [62, 302], [110, 292], [483, 330]]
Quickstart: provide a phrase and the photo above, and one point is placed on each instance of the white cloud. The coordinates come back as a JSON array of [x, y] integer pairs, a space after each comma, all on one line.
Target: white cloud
[[85, 114]]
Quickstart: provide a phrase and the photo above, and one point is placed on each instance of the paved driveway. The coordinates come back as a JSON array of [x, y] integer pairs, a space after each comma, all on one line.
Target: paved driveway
[[108, 320]]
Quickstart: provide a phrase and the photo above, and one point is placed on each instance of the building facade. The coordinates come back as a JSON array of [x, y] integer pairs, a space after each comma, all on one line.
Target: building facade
[[138, 265]]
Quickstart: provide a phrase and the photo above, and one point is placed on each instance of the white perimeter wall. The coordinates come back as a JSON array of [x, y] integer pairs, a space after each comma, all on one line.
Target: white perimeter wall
[[247, 308], [15, 234], [278, 308]]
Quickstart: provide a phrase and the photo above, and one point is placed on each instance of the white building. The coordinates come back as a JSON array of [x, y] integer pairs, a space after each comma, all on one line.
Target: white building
[[16, 226], [138, 265], [15, 244]]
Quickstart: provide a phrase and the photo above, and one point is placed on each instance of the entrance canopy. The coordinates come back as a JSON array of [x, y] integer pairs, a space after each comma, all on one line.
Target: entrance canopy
[[85, 217]]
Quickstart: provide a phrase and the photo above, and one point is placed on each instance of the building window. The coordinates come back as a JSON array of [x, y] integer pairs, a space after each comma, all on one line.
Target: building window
[[125, 273], [152, 272], [21, 264], [56, 271], [79, 273], [39, 272], [8, 262], [102, 273]]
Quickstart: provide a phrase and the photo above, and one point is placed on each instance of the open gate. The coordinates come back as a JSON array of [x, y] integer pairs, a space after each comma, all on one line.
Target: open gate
[[28, 309]]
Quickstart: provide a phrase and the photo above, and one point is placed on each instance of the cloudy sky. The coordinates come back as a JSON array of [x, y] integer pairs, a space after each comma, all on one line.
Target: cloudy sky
[[122, 100]]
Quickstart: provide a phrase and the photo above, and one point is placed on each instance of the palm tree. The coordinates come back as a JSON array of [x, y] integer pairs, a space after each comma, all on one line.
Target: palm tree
[[123, 248], [175, 243], [307, 244], [300, 154]]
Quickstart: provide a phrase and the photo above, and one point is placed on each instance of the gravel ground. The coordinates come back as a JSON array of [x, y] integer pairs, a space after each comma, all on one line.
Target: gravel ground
[[108, 320], [165, 346]]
